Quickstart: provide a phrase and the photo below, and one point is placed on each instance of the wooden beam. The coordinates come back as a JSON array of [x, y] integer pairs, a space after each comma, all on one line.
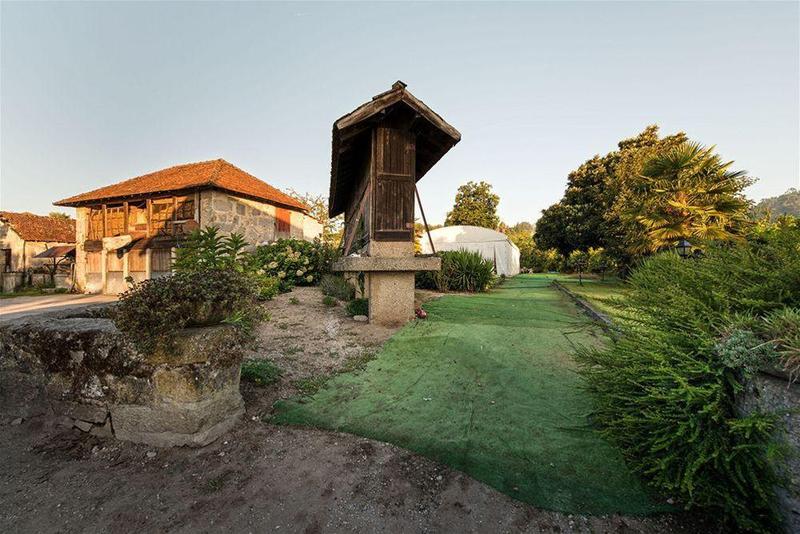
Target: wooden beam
[[149, 216], [126, 229], [424, 220], [105, 222]]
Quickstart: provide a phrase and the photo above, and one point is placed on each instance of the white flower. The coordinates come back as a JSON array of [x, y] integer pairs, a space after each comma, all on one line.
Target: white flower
[[273, 265], [261, 271], [305, 261], [300, 272], [281, 274], [309, 278]]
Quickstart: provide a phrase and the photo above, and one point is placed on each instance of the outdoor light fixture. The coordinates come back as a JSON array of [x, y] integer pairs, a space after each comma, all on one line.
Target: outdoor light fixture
[[684, 248]]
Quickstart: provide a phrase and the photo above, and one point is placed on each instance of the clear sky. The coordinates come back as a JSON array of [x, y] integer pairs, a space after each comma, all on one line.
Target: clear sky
[[93, 93]]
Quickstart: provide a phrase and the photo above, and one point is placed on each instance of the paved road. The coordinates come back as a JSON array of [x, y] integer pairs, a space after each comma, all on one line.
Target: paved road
[[17, 307]]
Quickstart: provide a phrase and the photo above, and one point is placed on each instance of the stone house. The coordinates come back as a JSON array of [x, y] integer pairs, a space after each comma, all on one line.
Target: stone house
[[23, 236], [131, 228]]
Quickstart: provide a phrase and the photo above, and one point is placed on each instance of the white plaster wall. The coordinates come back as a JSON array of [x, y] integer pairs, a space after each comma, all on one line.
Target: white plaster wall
[[23, 252]]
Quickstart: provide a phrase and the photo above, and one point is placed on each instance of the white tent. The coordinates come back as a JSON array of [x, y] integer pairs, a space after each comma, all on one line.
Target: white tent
[[492, 245]]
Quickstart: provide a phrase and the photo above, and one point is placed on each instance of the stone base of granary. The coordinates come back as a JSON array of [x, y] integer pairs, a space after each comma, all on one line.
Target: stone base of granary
[[391, 297], [84, 373]]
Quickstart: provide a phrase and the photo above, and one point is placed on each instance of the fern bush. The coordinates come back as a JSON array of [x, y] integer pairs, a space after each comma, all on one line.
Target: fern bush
[[668, 390]]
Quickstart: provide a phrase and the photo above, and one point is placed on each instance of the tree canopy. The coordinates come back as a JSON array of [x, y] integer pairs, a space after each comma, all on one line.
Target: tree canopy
[[626, 200], [475, 205]]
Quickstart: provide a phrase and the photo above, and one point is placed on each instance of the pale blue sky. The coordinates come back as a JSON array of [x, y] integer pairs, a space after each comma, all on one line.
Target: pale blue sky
[[94, 93]]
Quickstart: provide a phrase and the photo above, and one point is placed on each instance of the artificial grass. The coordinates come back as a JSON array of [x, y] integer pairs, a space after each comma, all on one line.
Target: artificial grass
[[601, 294], [487, 385]]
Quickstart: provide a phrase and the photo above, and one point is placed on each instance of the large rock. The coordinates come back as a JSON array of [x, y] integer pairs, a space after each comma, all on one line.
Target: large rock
[[84, 371]]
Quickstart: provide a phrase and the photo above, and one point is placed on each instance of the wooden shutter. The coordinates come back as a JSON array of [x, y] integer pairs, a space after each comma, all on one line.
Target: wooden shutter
[[283, 220], [394, 185]]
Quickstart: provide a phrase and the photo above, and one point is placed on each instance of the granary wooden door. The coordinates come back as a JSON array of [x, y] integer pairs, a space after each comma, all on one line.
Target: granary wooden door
[[394, 185]]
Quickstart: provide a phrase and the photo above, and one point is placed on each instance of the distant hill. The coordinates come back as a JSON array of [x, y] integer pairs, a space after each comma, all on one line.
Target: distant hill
[[785, 204]]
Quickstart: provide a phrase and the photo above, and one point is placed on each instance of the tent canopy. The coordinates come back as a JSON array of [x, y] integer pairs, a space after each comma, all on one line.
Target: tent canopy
[[491, 244]]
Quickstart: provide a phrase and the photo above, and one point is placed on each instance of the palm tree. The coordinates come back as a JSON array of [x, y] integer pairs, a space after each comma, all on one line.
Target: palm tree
[[688, 192]]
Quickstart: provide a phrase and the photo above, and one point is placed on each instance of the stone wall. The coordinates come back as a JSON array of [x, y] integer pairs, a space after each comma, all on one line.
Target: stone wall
[[255, 220], [772, 392], [81, 370]]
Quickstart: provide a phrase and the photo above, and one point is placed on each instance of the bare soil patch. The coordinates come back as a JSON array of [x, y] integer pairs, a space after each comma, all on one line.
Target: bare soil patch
[[263, 477]]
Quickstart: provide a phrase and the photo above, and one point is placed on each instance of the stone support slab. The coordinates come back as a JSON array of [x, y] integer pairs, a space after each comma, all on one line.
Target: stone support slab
[[391, 298]]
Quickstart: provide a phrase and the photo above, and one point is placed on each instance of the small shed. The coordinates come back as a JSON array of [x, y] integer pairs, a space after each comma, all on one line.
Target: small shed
[[379, 152], [492, 245]]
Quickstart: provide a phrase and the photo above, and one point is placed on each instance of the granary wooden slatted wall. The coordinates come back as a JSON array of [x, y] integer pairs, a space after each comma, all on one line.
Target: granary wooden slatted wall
[[394, 185]]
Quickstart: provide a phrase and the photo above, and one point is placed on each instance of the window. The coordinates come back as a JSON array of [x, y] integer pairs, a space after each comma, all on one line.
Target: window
[[283, 220], [5, 256]]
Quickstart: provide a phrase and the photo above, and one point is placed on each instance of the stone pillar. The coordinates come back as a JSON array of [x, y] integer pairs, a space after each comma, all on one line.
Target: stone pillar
[[391, 297]]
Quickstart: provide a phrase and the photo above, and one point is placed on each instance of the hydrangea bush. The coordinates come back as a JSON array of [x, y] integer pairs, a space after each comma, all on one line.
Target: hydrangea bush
[[293, 262]]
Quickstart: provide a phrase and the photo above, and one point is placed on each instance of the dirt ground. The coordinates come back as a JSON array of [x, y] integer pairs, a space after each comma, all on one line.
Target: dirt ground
[[263, 477]]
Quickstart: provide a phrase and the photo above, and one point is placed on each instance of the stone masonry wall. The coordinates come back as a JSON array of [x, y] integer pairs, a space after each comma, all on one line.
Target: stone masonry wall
[[773, 393], [255, 220], [82, 370]]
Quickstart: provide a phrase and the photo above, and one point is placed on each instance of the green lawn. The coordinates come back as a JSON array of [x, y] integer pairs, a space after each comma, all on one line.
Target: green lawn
[[599, 293], [487, 385]]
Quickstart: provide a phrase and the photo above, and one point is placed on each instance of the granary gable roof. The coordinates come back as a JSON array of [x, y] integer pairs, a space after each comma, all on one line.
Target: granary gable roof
[[32, 227], [216, 173], [434, 138]]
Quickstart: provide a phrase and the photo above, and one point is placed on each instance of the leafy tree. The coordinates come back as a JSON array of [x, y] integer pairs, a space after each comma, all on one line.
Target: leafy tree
[[589, 214], [475, 205], [688, 192], [785, 204], [331, 226], [59, 215]]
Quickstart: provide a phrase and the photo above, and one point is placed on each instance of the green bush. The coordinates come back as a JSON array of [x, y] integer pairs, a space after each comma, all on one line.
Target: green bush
[[260, 372], [205, 249], [462, 270], [357, 307], [266, 287], [329, 301], [668, 389], [337, 287], [152, 311], [293, 261]]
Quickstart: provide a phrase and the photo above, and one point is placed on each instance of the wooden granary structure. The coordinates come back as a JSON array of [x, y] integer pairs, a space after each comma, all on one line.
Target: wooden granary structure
[[379, 152]]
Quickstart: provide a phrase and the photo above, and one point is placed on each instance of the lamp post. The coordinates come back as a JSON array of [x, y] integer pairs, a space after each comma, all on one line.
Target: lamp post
[[684, 248]]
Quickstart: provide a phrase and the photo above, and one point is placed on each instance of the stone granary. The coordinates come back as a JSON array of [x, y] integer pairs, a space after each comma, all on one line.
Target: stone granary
[[131, 228], [380, 150]]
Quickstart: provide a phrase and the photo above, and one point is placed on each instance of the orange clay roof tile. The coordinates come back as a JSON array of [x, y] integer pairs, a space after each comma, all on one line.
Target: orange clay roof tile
[[31, 227], [216, 173]]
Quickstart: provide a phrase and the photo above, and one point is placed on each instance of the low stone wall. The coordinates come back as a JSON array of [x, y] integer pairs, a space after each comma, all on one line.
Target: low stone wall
[[772, 392], [82, 370]]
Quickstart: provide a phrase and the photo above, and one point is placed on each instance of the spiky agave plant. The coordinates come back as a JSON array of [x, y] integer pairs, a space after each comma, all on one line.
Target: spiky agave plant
[[689, 193]]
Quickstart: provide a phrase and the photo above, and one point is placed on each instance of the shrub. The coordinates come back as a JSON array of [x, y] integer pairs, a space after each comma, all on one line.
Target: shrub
[[293, 261], [266, 287], [329, 301], [150, 312], [260, 372], [357, 307], [668, 389], [337, 287], [206, 249], [462, 270]]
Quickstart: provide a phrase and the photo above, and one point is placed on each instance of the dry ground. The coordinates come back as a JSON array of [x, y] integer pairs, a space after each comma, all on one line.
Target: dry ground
[[263, 477]]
